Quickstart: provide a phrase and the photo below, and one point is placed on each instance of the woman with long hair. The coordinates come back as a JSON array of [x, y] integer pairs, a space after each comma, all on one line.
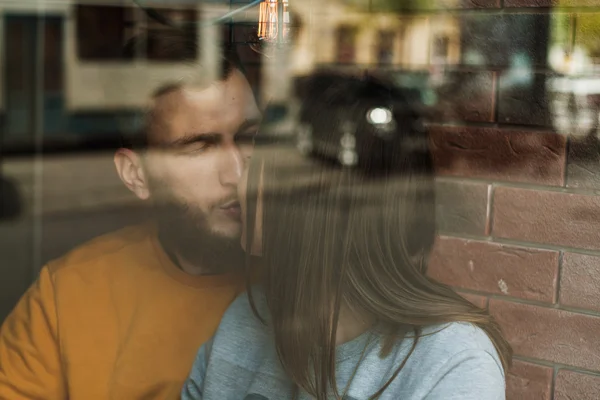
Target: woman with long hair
[[342, 307]]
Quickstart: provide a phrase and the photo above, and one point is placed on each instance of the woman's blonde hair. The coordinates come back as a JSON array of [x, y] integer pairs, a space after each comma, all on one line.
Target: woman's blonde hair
[[359, 236]]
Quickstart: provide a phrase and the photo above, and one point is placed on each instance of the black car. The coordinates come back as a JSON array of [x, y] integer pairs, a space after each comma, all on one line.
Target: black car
[[334, 130], [10, 199]]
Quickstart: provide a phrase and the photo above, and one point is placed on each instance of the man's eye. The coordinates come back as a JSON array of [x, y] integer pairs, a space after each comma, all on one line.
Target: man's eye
[[196, 147]]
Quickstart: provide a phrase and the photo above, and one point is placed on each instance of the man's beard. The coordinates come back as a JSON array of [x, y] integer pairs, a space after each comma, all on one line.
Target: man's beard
[[184, 233]]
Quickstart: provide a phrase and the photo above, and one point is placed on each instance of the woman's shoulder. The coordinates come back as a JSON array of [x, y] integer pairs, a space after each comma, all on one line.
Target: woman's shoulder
[[450, 361], [241, 316], [447, 362], [455, 342], [461, 336], [456, 337]]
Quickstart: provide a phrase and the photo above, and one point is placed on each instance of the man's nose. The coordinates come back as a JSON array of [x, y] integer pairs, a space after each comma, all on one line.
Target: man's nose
[[232, 165]]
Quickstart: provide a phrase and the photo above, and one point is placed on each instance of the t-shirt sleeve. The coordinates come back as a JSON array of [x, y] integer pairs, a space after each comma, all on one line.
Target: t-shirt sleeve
[[193, 387], [469, 375], [30, 362]]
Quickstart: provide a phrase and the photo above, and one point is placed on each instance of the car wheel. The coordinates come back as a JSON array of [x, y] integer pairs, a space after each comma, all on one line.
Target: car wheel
[[347, 155], [304, 140]]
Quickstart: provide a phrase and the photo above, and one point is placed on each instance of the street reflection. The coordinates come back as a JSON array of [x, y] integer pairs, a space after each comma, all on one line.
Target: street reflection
[[508, 91]]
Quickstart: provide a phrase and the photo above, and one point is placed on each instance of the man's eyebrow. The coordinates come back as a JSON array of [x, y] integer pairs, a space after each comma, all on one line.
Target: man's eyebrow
[[192, 138]]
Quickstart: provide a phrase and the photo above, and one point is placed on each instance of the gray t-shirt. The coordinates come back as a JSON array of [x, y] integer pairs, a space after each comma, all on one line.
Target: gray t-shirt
[[455, 362]]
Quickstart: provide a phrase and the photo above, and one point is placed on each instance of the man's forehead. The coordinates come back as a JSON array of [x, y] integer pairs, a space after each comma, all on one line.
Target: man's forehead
[[234, 91], [220, 105]]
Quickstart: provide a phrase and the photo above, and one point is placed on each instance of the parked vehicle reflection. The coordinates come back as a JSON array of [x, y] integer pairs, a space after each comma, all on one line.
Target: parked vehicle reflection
[[10, 200], [353, 135]]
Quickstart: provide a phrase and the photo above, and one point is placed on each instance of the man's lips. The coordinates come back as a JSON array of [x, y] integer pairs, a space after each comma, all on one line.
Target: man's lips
[[232, 208], [231, 204]]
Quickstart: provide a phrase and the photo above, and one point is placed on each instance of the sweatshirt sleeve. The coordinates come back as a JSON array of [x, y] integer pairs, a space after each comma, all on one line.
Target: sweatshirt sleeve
[[469, 375], [30, 362]]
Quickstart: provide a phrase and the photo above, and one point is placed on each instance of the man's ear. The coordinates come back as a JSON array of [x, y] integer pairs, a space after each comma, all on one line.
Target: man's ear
[[130, 170]]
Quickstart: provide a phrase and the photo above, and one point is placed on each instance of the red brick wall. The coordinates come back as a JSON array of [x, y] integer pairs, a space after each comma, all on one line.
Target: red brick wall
[[518, 210]]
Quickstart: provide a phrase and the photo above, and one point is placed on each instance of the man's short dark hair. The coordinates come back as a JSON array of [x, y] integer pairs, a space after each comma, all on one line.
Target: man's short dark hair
[[135, 135]]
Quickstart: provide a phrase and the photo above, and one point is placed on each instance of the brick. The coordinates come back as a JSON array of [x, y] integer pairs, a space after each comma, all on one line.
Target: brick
[[466, 96], [583, 169], [494, 39], [580, 281], [573, 386], [499, 154], [527, 381], [461, 207], [562, 219], [398, 6], [463, 4], [479, 301], [550, 334], [470, 3], [524, 102], [495, 268], [551, 3]]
